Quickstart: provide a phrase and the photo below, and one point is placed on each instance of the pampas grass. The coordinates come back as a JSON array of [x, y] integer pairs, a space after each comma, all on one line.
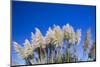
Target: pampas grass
[[49, 48]]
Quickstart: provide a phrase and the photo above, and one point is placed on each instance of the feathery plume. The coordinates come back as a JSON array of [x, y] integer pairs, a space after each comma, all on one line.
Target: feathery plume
[[69, 33], [19, 50], [78, 36], [33, 39], [44, 43], [28, 48], [58, 35], [38, 38], [87, 40], [50, 36], [72, 36]]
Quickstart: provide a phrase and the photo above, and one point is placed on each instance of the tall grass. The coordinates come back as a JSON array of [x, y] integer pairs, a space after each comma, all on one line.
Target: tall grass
[[59, 45]]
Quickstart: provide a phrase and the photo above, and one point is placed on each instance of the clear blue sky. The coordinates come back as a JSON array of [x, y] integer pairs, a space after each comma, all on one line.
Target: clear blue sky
[[28, 15]]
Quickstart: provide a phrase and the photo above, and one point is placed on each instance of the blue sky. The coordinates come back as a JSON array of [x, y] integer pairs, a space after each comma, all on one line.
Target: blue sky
[[26, 16]]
